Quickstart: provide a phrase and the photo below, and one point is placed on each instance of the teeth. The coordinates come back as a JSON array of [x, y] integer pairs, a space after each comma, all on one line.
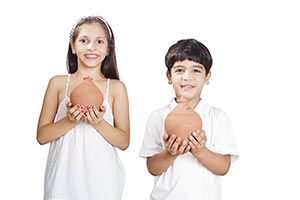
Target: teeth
[[187, 87], [91, 56]]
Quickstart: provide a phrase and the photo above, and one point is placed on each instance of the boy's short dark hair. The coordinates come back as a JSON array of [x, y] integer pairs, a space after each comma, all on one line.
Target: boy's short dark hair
[[190, 49]]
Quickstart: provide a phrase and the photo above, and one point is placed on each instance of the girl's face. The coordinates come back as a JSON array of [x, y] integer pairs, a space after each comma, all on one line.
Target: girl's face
[[91, 45], [188, 78]]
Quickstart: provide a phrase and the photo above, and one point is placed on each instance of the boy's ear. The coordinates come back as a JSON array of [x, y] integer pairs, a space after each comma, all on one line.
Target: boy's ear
[[169, 77], [207, 78]]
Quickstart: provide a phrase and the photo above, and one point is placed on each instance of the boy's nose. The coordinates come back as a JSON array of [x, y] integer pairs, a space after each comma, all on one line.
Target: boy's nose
[[186, 77]]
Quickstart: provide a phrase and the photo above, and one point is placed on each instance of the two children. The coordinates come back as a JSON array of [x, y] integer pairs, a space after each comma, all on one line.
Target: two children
[[83, 162]]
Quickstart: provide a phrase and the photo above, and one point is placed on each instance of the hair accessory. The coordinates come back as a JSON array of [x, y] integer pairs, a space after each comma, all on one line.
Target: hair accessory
[[90, 18], [107, 26]]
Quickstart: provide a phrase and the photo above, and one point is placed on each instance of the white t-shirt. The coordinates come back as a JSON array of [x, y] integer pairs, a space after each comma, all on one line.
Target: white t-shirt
[[186, 178]]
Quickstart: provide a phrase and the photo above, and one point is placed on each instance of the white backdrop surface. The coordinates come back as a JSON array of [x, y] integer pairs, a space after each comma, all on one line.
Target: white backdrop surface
[[255, 80]]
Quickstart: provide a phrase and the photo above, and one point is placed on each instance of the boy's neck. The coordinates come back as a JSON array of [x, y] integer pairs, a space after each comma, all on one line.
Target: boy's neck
[[191, 102]]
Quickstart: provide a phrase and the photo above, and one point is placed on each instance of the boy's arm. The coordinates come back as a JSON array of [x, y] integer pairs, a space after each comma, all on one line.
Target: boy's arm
[[159, 163], [214, 162]]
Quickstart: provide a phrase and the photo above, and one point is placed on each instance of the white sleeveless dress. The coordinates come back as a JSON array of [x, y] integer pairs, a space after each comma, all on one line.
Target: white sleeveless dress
[[82, 165]]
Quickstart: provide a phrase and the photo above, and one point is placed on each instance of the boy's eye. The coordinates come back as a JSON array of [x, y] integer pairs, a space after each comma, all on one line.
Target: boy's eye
[[179, 70], [197, 71]]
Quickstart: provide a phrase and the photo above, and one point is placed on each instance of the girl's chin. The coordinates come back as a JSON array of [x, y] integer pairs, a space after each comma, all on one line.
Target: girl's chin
[[91, 65]]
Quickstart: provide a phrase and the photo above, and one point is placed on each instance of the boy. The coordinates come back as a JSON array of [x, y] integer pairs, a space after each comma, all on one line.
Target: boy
[[189, 170]]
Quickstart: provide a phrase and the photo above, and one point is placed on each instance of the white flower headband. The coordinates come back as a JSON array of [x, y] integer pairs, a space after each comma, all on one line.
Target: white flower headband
[[91, 17]]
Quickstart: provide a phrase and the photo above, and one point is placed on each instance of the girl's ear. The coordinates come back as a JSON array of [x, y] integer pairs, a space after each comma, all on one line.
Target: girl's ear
[[169, 77], [107, 51], [73, 47], [207, 78]]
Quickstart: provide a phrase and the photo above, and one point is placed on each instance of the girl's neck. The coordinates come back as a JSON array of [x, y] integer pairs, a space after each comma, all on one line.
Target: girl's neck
[[95, 75]]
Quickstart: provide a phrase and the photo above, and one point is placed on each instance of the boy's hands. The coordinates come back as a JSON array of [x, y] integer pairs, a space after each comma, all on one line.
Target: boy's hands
[[175, 146], [197, 141]]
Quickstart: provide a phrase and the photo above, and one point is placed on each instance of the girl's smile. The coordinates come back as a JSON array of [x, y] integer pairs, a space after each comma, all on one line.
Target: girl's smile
[[91, 56]]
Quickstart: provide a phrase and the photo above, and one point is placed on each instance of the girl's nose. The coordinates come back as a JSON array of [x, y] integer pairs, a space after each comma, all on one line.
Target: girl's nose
[[91, 46]]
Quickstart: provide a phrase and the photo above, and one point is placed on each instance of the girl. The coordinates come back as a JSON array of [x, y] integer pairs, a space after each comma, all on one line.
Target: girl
[[83, 162]]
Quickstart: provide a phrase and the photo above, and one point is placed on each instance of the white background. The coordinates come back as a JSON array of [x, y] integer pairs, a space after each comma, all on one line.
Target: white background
[[255, 80]]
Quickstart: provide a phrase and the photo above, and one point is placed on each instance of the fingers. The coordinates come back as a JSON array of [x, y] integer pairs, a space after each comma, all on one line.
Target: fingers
[[69, 104], [76, 113], [175, 145], [102, 108], [94, 116], [197, 140], [170, 141], [91, 114], [184, 147]]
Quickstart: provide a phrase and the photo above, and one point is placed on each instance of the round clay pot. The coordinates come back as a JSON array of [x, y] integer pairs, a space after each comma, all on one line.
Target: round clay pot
[[87, 93], [182, 120]]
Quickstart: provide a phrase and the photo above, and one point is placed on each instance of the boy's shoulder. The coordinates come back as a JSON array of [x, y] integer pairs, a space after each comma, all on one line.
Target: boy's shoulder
[[214, 111], [161, 110]]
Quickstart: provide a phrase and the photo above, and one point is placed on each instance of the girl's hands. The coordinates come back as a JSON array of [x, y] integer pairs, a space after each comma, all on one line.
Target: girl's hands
[[90, 114], [75, 113], [93, 115], [197, 141], [175, 146]]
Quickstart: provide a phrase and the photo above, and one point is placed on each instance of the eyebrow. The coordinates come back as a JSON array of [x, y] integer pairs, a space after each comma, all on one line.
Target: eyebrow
[[85, 36], [195, 66]]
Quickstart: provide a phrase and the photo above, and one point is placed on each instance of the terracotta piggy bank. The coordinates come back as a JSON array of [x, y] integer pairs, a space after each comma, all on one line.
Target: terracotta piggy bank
[[182, 120], [87, 93]]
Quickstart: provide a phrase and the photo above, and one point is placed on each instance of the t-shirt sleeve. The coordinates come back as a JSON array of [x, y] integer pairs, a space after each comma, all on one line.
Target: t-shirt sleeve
[[223, 137], [152, 142]]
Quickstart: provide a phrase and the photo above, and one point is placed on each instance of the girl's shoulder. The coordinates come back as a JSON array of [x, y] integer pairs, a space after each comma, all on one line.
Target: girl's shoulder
[[58, 78], [116, 85], [57, 81]]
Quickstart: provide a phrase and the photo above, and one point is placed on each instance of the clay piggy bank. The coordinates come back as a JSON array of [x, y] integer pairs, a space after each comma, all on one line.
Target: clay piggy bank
[[182, 120], [87, 93]]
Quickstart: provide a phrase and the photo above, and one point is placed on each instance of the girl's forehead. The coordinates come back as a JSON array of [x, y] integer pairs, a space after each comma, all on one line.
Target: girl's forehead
[[93, 28]]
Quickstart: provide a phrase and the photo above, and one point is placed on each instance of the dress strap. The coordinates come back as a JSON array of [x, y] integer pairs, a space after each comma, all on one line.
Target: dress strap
[[67, 85], [107, 89]]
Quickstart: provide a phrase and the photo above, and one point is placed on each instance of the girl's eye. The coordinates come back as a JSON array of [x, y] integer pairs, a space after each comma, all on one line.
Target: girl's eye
[[100, 42], [83, 41]]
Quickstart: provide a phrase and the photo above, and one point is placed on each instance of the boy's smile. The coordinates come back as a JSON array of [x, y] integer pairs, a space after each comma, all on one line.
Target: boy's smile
[[187, 87]]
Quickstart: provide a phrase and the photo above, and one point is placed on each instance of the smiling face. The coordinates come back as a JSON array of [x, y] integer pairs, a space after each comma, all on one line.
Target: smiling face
[[91, 45], [188, 78]]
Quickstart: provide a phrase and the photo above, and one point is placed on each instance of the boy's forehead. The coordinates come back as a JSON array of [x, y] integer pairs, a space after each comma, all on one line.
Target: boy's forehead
[[187, 63]]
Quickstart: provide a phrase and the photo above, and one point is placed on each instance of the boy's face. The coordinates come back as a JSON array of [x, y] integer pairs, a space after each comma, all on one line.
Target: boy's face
[[188, 78]]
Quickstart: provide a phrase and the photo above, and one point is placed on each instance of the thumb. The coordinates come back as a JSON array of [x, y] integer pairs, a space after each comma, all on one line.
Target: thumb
[[102, 108]]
